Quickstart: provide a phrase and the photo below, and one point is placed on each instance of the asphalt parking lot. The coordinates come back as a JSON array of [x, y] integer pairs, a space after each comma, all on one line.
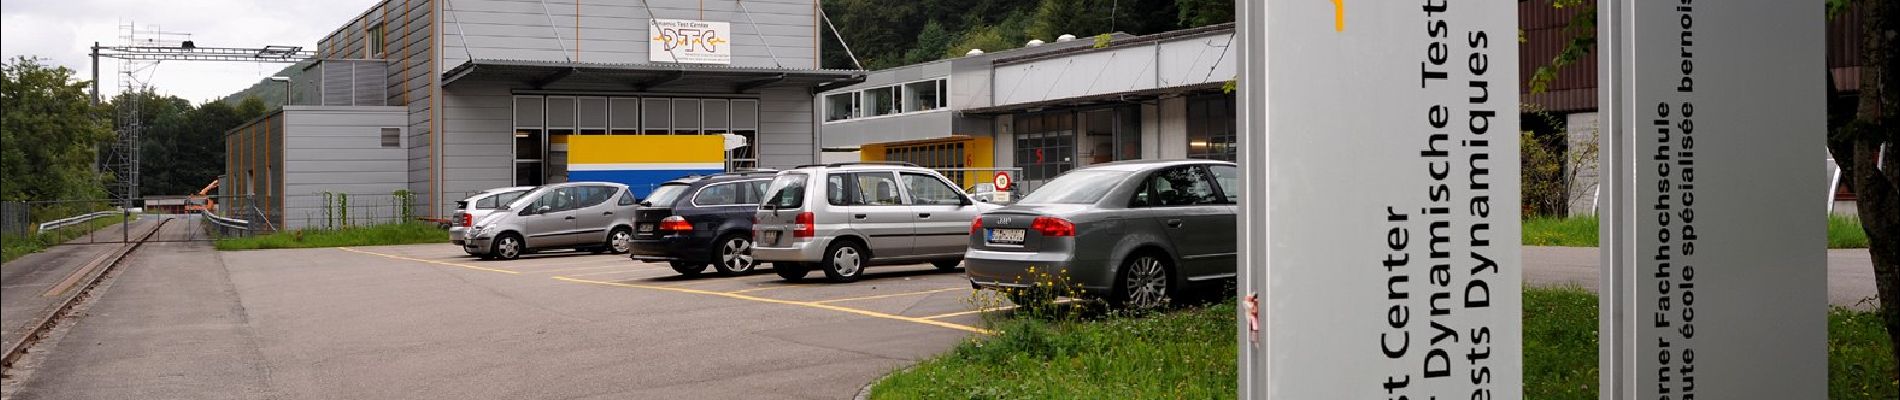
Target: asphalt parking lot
[[429, 322]]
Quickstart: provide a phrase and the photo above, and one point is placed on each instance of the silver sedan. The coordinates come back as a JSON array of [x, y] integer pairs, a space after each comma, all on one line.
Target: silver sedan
[[1135, 234]]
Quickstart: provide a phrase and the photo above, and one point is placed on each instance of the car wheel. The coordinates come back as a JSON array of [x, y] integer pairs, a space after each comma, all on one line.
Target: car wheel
[[947, 265], [735, 256], [508, 247], [619, 242], [844, 261], [1144, 284], [790, 271], [688, 268]]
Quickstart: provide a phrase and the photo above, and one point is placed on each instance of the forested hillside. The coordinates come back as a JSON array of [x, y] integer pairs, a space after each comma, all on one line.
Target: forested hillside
[[890, 33]]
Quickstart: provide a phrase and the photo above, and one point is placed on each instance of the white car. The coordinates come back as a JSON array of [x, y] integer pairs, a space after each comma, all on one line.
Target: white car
[[475, 207]]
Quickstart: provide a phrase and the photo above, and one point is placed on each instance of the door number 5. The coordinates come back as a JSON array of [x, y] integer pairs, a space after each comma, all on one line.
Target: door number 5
[[1339, 15]]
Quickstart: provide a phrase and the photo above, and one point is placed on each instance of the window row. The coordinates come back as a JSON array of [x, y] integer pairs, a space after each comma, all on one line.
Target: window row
[[911, 97], [595, 115]]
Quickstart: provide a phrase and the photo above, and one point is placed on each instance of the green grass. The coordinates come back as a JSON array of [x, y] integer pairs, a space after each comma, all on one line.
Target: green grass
[[1845, 233], [1842, 232], [1563, 232], [1190, 354], [16, 246], [379, 235]]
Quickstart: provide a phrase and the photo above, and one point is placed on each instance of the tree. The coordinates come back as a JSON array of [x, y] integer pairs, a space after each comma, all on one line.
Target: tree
[[931, 43], [50, 134], [1857, 146], [1857, 135]]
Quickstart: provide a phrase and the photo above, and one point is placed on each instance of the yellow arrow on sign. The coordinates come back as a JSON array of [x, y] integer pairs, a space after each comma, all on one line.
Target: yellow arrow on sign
[[1339, 15]]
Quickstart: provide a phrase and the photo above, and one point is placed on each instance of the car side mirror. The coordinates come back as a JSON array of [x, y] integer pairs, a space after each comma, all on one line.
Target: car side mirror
[[544, 209]]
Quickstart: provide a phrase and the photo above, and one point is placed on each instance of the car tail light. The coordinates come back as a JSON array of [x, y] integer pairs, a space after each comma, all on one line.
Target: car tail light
[[807, 225], [976, 225], [1052, 226], [468, 220], [675, 224]]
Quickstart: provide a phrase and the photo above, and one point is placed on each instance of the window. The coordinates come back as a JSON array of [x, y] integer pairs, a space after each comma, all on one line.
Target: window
[[376, 40], [658, 116], [505, 198], [928, 190], [592, 115], [624, 115], [725, 194], [924, 96], [1111, 135], [876, 189], [757, 189], [838, 189], [686, 117], [1045, 145], [1228, 177], [392, 137], [555, 201], [882, 101], [1211, 124], [841, 106], [530, 140], [626, 198], [589, 196], [745, 123], [665, 195], [1177, 186], [788, 191]]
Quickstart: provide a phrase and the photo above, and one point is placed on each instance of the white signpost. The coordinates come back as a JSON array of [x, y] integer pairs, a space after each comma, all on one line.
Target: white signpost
[[1381, 222], [1714, 284], [689, 42]]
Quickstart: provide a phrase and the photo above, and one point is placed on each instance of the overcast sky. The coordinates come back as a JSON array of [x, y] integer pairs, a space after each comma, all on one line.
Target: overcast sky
[[61, 31]]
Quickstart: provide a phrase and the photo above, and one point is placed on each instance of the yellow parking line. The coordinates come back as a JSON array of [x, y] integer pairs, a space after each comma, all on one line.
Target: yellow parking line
[[647, 270], [882, 296], [596, 267], [1002, 308], [960, 313], [764, 288], [429, 261], [817, 305]]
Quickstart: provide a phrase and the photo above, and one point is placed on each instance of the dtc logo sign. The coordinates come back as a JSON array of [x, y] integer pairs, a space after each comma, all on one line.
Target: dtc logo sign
[[690, 42]]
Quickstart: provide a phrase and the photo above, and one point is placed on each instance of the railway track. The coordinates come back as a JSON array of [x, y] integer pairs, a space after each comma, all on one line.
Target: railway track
[[87, 279]]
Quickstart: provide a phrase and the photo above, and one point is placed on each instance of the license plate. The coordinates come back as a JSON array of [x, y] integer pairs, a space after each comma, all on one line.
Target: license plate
[[1006, 236], [769, 237], [646, 227]]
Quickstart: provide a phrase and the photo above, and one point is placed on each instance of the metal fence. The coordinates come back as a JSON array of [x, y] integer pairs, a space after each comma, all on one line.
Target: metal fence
[[14, 219], [343, 210]]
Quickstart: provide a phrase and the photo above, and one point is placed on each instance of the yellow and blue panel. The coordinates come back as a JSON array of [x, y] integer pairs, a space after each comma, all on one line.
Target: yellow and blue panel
[[642, 162]]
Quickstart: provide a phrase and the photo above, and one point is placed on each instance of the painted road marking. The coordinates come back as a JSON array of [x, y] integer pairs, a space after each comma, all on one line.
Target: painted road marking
[[644, 273], [592, 268], [763, 288], [430, 261], [884, 296], [1002, 308], [810, 304]]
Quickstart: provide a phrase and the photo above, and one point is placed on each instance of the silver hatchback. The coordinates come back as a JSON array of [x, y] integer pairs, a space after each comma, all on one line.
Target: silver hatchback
[[840, 218], [588, 216], [1135, 233]]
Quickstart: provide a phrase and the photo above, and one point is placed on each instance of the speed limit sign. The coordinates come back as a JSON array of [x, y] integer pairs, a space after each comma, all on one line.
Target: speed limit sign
[[1002, 181]]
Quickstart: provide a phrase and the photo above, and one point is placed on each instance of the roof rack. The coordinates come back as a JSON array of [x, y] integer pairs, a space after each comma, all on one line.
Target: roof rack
[[748, 172], [896, 163]]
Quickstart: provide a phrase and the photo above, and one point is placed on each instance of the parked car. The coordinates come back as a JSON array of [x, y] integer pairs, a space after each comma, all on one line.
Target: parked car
[[698, 221], [840, 218], [476, 207], [586, 216], [987, 193], [1136, 234]]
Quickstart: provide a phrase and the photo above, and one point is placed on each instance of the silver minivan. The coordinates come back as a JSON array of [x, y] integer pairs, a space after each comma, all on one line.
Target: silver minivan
[[586, 216], [840, 218]]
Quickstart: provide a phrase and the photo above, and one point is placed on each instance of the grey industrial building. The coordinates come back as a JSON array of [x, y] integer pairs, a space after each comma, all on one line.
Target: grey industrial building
[[441, 98], [1047, 108]]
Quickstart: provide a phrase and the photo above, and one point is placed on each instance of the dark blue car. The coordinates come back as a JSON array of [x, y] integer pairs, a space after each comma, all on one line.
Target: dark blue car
[[697, 221]]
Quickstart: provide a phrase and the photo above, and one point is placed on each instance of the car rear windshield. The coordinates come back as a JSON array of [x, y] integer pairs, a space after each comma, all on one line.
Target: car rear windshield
[[787, 191], [1079, 187], [497, 200], [665, 195]]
